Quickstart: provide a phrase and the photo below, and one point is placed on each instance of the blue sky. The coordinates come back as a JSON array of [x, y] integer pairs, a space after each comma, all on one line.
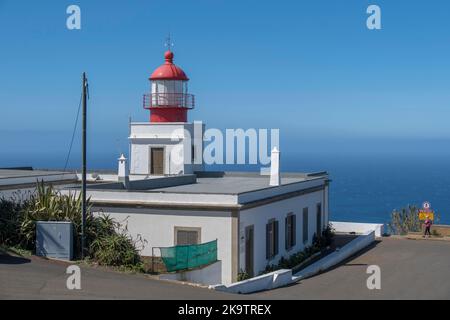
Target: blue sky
[[310, 68]]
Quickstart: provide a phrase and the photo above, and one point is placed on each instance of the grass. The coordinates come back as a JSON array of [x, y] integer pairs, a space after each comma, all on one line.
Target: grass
[[137, 269], [16, 251]]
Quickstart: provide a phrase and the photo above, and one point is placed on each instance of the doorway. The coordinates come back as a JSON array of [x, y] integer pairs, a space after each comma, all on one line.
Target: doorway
[[249, 250], [157, 161]]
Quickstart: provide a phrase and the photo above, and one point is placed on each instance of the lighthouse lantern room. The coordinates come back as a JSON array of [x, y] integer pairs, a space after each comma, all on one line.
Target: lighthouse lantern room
[[169, 100], [165, 145]]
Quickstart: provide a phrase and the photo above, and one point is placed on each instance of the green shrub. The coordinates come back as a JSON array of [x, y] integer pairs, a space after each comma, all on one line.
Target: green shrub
[[325, 239], [243, 275], [107, 242], [114, 250], [404, 221], [10, 219]]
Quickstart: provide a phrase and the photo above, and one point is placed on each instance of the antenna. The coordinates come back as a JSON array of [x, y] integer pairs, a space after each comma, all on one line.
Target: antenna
[[169, 44]]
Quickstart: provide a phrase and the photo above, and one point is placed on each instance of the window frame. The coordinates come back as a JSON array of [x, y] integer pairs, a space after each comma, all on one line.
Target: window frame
[[305, 224], [272, 235], [290, 231], [187, 229]]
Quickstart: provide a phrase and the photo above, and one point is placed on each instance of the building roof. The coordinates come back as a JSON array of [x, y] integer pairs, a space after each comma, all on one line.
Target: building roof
[[230, 184], [169, 71], [15, 177], [225, 191]]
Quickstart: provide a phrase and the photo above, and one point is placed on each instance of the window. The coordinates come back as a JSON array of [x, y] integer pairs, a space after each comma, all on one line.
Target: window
[[319, 220], [290, 228], [187, 236], [271, 239], [305, 225]]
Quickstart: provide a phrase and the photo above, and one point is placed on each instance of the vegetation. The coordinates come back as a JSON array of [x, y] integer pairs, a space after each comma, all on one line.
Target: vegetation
[[243, 275], [319, 244], [405, 221], [107, 241], [10, 218]]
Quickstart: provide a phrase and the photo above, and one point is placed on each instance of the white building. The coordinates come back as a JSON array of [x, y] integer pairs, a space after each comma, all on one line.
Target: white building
[[255, 224]]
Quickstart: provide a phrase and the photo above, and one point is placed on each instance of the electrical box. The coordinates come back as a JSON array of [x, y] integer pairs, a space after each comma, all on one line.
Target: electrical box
[[54, 239]]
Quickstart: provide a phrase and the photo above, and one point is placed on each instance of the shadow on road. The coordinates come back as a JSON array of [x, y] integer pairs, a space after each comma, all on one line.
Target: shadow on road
[[8, 259], [346, 262]]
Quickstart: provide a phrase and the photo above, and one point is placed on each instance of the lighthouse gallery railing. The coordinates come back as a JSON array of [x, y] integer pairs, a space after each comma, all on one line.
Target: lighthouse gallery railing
[[164, 100]]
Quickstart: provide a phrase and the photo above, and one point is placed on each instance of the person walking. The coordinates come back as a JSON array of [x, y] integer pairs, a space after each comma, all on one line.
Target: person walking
[[428, 224]]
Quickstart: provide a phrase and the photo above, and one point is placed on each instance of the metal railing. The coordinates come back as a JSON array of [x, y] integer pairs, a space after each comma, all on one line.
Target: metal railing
[[164, 100]]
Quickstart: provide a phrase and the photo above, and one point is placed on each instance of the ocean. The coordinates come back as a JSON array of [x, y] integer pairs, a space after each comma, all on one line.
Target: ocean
[[364, 187]]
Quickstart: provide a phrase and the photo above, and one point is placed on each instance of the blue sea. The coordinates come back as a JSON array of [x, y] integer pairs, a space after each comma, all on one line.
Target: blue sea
[[364, 187]]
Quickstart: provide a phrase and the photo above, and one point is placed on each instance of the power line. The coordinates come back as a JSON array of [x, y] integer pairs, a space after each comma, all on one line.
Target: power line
[[73, 134]]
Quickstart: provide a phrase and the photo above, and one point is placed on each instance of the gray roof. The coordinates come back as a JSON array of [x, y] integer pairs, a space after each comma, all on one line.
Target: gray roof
[[232, 183], [228, 185], [12, 173]]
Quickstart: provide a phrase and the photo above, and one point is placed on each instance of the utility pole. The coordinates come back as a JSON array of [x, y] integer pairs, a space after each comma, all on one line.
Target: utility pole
[[83, 177]]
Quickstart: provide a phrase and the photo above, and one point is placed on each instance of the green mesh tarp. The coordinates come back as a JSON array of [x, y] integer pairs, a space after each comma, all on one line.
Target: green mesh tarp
[[190, 256]]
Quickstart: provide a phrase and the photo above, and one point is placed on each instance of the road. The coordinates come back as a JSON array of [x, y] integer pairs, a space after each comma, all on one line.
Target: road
[[409, 270]]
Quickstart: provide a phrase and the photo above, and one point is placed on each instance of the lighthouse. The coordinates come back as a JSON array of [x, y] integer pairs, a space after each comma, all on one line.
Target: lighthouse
[[168, 144]]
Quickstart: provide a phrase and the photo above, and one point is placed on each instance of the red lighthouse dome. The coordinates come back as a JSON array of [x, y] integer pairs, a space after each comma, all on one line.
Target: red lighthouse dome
[[169, 71], [169, 100]]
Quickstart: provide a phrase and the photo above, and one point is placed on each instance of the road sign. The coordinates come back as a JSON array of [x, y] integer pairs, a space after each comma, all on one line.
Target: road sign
[[424, 214]]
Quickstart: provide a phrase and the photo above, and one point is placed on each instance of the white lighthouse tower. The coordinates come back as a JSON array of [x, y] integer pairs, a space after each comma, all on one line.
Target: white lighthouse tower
[[168, 144]]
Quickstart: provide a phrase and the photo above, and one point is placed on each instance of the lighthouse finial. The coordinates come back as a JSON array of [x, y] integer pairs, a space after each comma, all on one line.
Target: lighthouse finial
[[169, 44]]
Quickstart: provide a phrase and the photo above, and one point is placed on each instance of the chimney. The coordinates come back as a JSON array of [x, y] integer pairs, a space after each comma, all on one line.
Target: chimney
[[122, 175], [275, 167]]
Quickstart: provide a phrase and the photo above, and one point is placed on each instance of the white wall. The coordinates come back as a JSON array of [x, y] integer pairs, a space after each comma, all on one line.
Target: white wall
[[260, 216], [157, 228], [210, 275], [163, 135], [336, 257], [358, 228], [273, 280]]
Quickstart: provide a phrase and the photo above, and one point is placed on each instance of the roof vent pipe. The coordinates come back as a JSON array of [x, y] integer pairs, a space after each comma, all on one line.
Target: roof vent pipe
[[123, 175], [275, 168]]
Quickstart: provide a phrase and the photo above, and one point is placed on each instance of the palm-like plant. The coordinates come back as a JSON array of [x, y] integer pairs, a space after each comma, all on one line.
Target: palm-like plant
[[404, 221], [47, 204]]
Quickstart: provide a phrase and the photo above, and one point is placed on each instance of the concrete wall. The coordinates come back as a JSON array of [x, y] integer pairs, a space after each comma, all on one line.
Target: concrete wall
[[157, 227], [282, 278], [443, 230], [336, 257], [273, 280], [260, 216], [358, 228], [209, 275]]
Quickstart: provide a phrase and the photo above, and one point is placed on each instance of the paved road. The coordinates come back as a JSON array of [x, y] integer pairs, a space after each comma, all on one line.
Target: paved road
[[35, 278], [409, 270]]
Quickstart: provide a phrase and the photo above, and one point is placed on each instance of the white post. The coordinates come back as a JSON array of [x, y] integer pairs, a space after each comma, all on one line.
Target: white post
[[275, 179], [122, 175]]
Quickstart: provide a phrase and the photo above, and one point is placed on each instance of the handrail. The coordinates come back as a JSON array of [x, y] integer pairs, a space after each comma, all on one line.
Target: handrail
[[172, 100]]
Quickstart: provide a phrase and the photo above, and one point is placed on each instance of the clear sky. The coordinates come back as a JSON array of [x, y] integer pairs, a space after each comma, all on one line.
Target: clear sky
[[310, 68]]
